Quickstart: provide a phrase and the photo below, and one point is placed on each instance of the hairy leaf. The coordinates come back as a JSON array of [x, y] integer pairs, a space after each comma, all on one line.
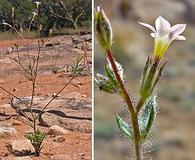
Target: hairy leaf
[[124, 127], [105, 84], [109, 69], [147, 116]]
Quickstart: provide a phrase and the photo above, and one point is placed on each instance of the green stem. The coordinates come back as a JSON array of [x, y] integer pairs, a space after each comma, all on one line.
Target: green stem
[[126, 97]]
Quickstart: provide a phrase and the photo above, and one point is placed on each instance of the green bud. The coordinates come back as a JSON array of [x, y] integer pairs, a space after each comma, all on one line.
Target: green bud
[[150, 77], [103, 29]]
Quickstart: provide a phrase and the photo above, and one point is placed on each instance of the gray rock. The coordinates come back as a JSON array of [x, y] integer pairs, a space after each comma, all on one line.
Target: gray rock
[[7, 131]]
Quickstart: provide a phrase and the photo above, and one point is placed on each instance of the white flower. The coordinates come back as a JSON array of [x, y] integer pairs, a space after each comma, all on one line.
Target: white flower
[[164, 34], [37, 4]]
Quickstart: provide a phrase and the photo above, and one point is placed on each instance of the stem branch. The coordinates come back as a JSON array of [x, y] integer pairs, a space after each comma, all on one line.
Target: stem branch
[[125, 95]]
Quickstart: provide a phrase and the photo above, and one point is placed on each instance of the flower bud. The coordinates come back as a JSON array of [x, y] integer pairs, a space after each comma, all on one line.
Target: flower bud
[[150, 78], [103, 29]]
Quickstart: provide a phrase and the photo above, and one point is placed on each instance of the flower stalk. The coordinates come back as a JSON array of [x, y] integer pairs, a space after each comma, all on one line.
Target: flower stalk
[[142, 115], [126, 97]]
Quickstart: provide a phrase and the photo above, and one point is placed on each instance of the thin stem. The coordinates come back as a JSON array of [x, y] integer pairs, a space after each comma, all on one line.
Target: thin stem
[[54, 97], [125, 95]]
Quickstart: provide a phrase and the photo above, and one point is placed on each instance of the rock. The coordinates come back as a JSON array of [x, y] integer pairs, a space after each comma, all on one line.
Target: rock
[[20, 147], [87, 37], [57, 130], [18, 158], [48, 120], [61, 157], [82, 126], [75, 95], [16, 123], [7, 131]]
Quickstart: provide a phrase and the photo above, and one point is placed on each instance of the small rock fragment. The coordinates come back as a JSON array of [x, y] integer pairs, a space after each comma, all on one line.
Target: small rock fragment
[[57, 130]]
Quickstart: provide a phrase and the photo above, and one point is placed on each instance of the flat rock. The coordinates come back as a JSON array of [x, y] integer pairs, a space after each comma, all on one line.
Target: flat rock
[[18, 158], [57, 130], [20, 147], [6, 131], [69, 113]]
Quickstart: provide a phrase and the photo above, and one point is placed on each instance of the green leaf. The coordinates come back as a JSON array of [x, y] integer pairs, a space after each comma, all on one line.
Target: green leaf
[[36, 137], [105, 84], [109, 70], [147, 116], [111, 76], [124, 127]]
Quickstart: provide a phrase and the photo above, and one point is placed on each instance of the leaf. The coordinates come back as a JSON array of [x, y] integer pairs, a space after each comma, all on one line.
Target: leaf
[[109, 82], [109, 70], [105, 84], [111, 76], [124, 127], [147, 116]]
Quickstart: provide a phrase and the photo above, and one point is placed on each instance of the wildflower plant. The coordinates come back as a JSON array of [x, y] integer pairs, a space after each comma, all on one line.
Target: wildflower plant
[[142, 113], [36, 137]]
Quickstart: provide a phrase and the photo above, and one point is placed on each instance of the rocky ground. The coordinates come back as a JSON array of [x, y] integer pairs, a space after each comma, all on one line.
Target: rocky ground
[[67, 121]]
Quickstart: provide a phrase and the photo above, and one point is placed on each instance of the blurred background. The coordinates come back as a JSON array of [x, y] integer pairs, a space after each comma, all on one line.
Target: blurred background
[[173, 133]]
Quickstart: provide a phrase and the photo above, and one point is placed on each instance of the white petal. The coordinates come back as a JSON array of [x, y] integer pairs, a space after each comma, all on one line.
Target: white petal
[[180, 38], [162, 25], [177, 29], [153, 35], [148, 26]]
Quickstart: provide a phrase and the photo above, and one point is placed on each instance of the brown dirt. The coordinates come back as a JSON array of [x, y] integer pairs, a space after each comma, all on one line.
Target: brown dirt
[[75, 144]]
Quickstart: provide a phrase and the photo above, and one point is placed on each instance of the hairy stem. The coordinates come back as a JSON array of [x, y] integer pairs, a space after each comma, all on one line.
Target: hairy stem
[[138, 151], [125, 95]]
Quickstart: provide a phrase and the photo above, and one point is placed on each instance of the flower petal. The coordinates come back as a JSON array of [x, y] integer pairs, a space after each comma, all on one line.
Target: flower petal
[[177, 29], [180, 38], [162, 25], [148, 26], [153, 35]]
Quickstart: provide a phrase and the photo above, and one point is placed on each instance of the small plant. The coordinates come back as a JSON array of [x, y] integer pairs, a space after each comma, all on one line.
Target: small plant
[[31, 73], [54, 68], [77, 67], [36, 138], [143, 112]]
